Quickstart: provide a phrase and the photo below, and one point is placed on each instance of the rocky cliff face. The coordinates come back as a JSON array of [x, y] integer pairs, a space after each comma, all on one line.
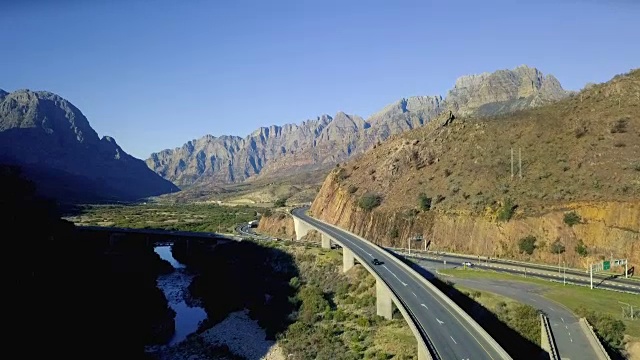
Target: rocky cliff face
[[454, 184], [278, 225], [326, 141], [607, 228], [57, 148]]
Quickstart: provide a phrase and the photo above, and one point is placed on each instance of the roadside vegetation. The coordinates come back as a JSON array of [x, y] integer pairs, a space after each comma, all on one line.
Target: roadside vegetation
[[313, 309], [183, 217], [600, 307]]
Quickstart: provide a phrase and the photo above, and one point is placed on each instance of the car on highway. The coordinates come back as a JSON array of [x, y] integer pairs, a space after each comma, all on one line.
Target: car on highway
[[466, 263], [376, 262]]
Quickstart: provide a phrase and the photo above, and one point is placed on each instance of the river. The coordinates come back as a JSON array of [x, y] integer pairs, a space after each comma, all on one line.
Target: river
[[175, 288]]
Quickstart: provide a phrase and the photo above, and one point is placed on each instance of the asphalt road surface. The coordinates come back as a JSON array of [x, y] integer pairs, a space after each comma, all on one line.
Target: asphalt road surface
[[451, 335], [571, 340]]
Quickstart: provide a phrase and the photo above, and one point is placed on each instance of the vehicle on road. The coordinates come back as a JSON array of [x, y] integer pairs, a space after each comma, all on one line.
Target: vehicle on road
[[466, 263], [376, 262]]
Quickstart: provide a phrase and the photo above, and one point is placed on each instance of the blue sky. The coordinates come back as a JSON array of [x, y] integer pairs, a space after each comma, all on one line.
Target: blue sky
[[155, 74]]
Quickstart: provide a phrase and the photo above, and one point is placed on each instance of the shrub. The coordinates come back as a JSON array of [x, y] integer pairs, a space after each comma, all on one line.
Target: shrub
[[267, 213], [557, 247], [369, 201], [352, 189], [280, 203], [571, 218], [527, 244], [506, 210], [424, 201], [394, 233], [581, 249], [619, 126], [606, 327], [636, 167], [580, 131]]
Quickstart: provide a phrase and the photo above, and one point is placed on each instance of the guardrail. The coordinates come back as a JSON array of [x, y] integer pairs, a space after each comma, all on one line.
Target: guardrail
[[594, 340], [548, 342], [408, 315], [437, 292]]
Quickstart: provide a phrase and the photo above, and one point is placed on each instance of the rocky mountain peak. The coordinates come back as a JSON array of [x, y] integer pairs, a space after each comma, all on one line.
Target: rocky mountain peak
[[325, 140], [54, 142]]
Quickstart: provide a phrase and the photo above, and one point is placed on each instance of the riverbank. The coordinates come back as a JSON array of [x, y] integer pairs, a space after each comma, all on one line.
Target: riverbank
[[236, 337]]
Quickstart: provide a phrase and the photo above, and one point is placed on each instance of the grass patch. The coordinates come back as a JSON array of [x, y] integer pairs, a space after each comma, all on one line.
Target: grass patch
[[571, 296]]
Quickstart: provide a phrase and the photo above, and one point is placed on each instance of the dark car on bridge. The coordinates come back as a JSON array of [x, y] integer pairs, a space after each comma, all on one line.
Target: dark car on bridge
[[376, 262]]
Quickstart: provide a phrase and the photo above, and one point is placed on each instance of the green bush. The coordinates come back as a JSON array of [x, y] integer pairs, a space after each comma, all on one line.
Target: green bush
[[352, 189], [506, 211], [280, 203], [571, 218], [527, 244], [581, 249], [424, 201], [369, 201], [606, 327]]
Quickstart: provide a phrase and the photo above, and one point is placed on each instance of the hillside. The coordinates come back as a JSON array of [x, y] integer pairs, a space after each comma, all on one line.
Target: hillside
[[54, 144], [322, 142], [580, 154]]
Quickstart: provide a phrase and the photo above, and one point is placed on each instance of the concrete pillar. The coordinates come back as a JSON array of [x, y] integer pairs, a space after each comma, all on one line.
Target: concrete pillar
[[384, 304], [347, 260], [301, 228], [326, 241]]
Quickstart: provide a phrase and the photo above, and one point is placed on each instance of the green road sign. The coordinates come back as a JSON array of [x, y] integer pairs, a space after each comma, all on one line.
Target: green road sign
[[606, 265]]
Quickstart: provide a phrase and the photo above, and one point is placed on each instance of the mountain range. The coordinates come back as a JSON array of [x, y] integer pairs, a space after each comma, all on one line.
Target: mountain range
[[55, 146], [327, 140]]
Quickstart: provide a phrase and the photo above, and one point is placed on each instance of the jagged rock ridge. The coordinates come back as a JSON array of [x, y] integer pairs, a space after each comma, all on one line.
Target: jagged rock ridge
[[326, 140], [55, 145]]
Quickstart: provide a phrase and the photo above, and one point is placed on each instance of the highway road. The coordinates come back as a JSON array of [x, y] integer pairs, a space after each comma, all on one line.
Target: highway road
[[616, 281], [452, 336], [570, 339], [530, 271]]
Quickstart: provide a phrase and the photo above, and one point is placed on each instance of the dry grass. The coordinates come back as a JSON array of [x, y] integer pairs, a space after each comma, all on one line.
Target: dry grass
[[571, 151]]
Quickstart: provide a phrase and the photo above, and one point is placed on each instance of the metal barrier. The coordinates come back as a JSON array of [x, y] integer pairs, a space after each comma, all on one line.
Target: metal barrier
[[547, 341], [594, 340]]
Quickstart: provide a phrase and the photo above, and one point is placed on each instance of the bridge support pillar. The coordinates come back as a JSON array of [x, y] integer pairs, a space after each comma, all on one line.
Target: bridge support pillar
[[347, 260], [301, 228], [384, 304], [326, 241]]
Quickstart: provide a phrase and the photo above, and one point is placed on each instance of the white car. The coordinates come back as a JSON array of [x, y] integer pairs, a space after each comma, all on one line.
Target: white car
[[466, 263]]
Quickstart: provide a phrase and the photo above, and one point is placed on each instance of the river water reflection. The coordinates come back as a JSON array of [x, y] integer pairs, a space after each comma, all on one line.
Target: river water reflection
[[175, 288]]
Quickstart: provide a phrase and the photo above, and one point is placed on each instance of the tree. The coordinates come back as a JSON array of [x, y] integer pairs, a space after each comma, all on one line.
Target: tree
[[527, 244], [280, 203]]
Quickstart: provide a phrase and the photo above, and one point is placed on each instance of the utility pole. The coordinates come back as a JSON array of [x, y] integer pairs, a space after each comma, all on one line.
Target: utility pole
[[409, 240], [564, 273], [591, 274], [520, 161], [511, 163]]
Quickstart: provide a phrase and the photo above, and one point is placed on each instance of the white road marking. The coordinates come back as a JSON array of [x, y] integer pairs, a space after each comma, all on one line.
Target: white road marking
[[571, 339], [424, 306], [414, 294], [454, 340], [396, 276], [562, 319], [440, 322], [550, 308]]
